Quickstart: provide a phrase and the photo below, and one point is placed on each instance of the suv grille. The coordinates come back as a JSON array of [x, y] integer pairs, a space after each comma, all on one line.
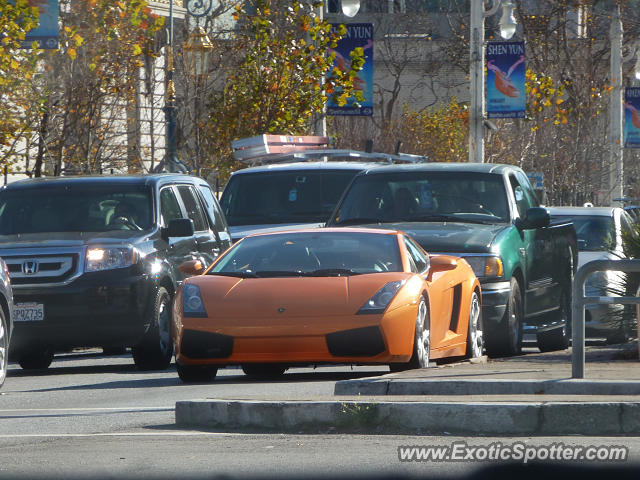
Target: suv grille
[[39, 269]]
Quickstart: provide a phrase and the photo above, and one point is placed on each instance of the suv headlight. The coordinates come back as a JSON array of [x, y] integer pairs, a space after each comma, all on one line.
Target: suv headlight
[[485, 265], [107, 258]]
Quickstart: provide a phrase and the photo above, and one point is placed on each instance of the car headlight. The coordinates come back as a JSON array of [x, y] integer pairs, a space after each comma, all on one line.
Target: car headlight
[[485, 266], [605, 283], [107, 258], [192, 305], [382, 298]]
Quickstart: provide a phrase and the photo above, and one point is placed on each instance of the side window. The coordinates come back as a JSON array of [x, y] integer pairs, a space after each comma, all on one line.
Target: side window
[[194, 210], [528, 188], [213, 206], [418, 258], [169, 207], [523, 200]]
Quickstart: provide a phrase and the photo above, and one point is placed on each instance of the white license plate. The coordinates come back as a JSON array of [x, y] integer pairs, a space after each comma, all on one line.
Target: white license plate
[[28, 312]]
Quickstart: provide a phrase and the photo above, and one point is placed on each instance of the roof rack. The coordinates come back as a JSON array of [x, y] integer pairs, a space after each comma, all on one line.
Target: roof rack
[[266, 149]]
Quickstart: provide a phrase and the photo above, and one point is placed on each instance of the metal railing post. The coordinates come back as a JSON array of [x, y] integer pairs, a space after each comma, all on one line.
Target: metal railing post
[[579, 300]]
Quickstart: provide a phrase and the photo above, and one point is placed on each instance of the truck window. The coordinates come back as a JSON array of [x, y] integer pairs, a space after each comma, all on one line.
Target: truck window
[[294, 196]]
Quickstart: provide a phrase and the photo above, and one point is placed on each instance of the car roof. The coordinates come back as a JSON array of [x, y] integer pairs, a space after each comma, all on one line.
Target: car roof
[[299, 166], [372, 231], [150, 179], [495, 168], [591, 211]]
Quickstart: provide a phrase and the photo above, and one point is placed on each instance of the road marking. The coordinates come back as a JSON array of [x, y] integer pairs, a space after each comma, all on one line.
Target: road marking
[[88, 409], [124, 434]]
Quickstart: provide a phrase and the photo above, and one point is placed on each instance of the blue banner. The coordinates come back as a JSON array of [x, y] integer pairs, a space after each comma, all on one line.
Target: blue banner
[[632, 117], [358, 35], [47, 32], [506, 96]]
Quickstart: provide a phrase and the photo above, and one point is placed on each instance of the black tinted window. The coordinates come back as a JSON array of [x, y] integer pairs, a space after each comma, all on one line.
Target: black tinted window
[[425, 196], [304, 196], [169, 207], [194, 211], [80, 207]]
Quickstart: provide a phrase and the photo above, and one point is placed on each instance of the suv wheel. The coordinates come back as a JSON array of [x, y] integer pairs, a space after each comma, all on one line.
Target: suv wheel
[[4, 347], [558, 338], [156, 348], [36, 358]]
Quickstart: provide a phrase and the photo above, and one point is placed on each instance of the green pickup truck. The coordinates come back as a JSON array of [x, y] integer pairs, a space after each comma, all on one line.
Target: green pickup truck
[[489, 215]]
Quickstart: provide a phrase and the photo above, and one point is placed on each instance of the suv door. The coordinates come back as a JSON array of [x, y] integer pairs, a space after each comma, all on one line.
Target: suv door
[[207, 244], [180, 249]]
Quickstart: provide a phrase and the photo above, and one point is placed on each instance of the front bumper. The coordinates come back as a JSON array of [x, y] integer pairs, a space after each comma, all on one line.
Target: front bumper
[[96, 309], [495, 298]]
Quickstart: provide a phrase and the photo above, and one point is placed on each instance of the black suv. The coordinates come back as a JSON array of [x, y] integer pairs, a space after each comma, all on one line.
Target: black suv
[[94, 260]]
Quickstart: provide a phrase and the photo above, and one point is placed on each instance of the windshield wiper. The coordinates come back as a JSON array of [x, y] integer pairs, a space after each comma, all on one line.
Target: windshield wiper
[[235, 274], [359, 221], [332, 272]]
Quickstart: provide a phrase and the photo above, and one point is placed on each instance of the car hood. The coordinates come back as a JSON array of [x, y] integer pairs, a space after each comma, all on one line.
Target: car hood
[[241, 231], [284, 297], [449, 237], [68, 239]]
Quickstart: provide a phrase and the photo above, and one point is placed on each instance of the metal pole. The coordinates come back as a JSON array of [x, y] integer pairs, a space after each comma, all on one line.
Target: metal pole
[[616, 145], [320, 124], [476, 70], [170, 103]]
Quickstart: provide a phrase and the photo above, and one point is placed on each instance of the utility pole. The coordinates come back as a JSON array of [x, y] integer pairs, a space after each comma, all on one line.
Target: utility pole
[[476, 71], [320, 124], [616, 145]]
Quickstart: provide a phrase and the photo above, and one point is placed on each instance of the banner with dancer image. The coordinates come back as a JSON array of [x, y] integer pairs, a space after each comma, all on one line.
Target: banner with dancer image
[[632, 117], [358, 35], [506, 97]]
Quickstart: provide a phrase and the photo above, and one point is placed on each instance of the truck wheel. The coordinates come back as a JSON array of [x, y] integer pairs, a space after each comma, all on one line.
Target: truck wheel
[[4, 347], [196, 373], [36, 358], [558, 338], [506, 339], [156, 348]]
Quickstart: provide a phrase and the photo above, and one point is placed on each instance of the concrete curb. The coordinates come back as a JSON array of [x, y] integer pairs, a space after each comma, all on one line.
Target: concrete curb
[[384, 417], [425, 386]]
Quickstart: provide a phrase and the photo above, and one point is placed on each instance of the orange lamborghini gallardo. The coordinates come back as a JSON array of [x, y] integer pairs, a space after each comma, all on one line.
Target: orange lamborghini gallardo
[[333, 295]]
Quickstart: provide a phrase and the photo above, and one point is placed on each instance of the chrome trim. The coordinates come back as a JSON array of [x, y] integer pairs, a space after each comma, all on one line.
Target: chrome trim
[[13, 256]]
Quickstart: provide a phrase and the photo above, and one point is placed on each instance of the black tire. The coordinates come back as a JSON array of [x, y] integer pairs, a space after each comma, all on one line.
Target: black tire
[[4, 347], [196, 373], [36, 358], [421, 341], [263, 370], [506, 339], [155, 350], [475, 332], [558, 338]]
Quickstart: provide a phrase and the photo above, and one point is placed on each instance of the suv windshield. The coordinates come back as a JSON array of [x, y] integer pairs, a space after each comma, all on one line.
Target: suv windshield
[[81, 207], [425, 197], [300, 196]]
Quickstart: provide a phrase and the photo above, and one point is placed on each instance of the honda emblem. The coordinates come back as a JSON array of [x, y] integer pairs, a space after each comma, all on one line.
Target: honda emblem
[[30, 267]]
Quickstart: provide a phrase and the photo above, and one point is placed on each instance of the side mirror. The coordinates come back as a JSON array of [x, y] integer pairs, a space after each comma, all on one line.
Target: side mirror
[[191, 267], [536, 217], [179, 227]]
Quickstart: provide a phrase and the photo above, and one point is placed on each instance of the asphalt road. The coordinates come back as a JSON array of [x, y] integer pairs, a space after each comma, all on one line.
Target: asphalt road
[[96, 416]]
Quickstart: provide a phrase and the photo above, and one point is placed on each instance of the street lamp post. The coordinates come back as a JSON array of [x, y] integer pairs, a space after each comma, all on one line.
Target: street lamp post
[[476, 70], [201, 45]]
